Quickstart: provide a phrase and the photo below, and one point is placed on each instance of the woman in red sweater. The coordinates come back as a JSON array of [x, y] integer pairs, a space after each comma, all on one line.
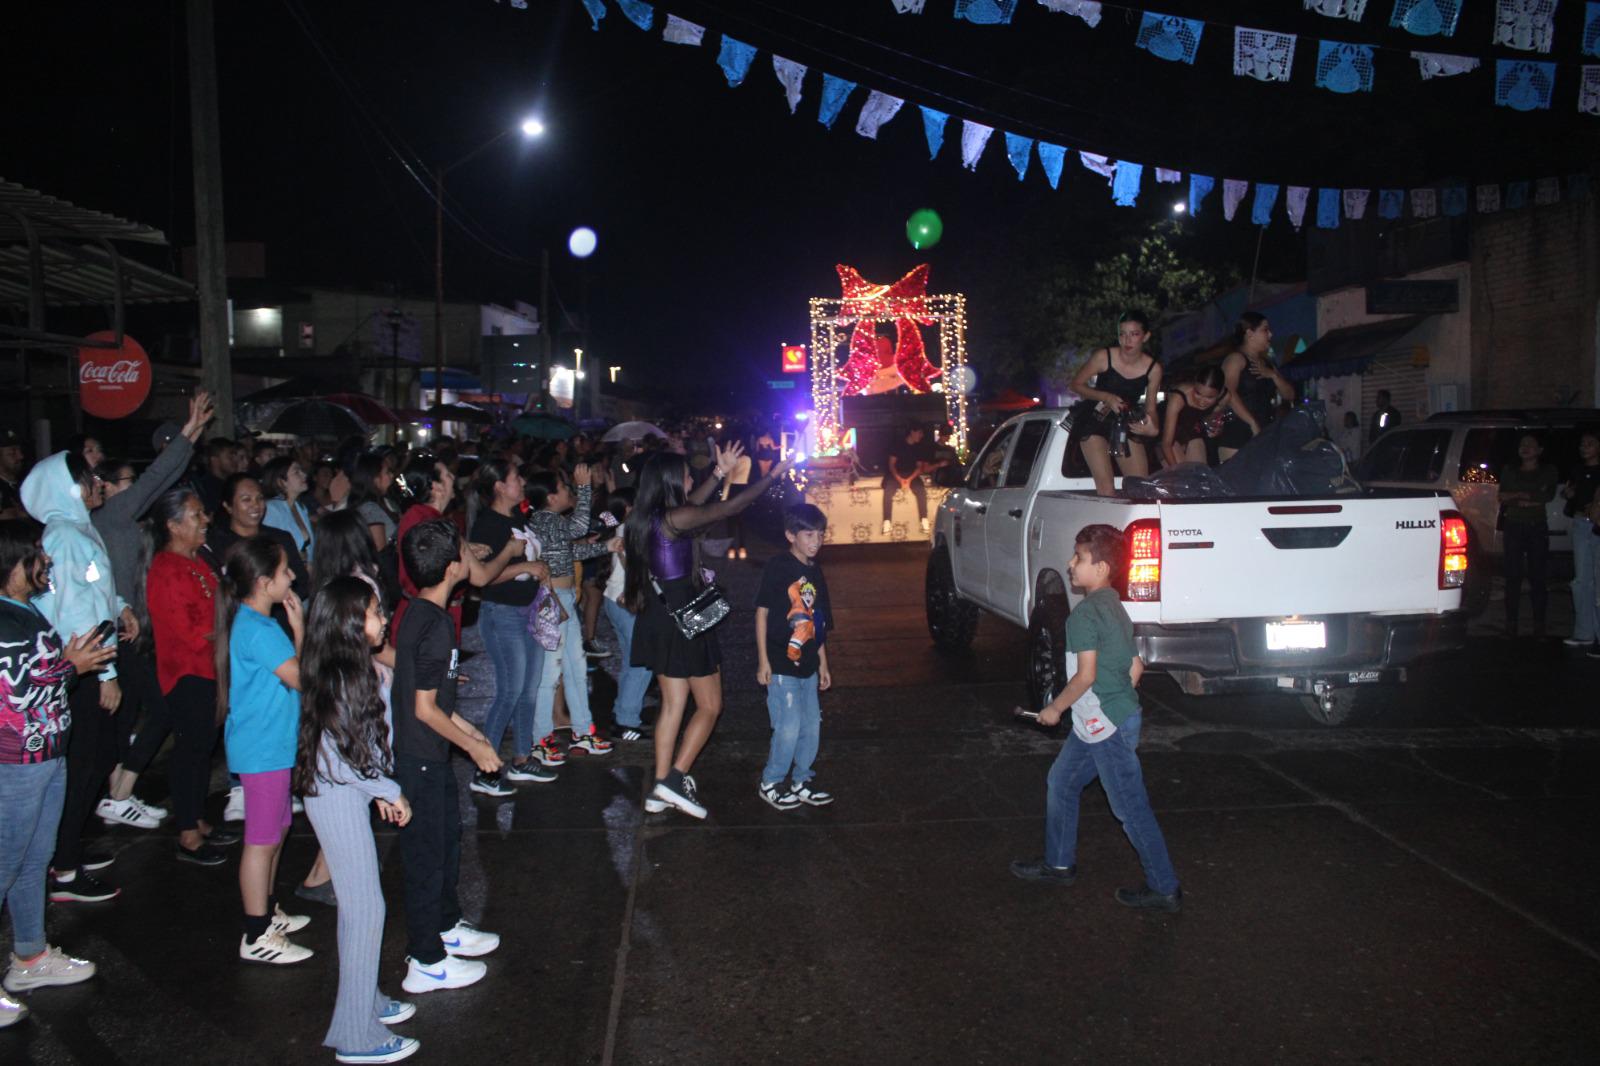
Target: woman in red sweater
[[180, 591]]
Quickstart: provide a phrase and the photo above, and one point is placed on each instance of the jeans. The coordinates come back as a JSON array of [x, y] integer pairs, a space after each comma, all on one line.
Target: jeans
[[796, 728], [1527, 554], [571, 666], [91, 753], [891, 485], [1114, 762], [31, 796], [632, 681], [518, 663], [430, 850], [1585, 552]]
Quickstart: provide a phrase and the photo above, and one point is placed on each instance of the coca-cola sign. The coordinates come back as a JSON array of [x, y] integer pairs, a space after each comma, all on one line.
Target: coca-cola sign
[[113, 382]]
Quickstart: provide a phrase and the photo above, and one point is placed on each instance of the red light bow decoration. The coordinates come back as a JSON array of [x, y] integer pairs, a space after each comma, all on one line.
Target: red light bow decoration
[[873, 366]]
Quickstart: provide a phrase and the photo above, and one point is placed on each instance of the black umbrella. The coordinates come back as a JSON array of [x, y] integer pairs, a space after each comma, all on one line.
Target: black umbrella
[[319, 419]]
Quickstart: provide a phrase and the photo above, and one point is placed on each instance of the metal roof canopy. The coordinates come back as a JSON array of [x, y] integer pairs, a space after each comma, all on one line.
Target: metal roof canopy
[[1350, 349], [54, 253]]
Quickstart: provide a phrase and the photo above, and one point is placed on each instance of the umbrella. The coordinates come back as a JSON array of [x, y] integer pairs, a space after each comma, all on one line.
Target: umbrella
[[458, 412], [365, 407], [542, 426], [633, 431], [319, 418]]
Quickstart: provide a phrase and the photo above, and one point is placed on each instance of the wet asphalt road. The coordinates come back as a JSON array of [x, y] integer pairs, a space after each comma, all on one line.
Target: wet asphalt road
[[1416, 887]]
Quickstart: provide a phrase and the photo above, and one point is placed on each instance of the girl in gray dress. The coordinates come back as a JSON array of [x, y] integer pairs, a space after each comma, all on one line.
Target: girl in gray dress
[[342, 767]]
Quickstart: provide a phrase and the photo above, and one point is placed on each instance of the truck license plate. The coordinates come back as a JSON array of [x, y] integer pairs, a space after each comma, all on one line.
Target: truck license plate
[[1296, 636]]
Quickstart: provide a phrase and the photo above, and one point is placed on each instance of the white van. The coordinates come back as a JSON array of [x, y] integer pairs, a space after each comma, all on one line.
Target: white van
[[1460, 452]]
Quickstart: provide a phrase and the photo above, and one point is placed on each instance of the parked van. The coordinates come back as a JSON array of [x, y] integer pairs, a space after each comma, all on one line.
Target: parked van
[[1461, 452]]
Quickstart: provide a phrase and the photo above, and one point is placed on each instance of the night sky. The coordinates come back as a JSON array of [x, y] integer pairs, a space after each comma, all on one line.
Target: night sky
[[718, 212]]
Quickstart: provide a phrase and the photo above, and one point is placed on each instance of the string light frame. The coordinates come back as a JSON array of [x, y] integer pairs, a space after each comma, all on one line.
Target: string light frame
[[832, 321]]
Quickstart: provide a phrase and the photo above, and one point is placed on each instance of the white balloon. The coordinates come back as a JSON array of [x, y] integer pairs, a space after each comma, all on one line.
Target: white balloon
[[582, 242]]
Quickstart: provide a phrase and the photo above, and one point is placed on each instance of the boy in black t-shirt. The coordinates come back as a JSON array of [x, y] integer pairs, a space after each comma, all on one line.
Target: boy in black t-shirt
[[794, 658], [423, 700]]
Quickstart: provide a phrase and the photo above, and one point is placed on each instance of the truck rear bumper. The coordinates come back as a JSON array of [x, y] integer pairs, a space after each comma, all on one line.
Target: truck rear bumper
[[1233, 655]]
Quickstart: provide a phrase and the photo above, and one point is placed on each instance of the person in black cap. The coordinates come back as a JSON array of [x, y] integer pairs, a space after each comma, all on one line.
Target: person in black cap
[[11, 468]]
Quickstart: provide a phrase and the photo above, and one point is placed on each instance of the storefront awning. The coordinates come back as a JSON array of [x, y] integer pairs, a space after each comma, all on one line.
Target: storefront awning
[[1351, 349]]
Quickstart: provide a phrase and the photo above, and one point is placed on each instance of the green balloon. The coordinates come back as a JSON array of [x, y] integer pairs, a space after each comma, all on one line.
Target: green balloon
[[924, 228]]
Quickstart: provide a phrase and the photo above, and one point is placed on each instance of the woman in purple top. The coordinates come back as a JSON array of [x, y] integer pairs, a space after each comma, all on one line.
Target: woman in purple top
[[663, 577]]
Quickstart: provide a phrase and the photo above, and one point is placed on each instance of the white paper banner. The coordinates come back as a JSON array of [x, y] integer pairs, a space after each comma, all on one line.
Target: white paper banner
[[1355, 202], [879, 108], [791, 75], [1547, 191], [909, 7], [1233, 191], [1589, 91], [974, 135], [1097, 163], [1438, 65], [1262, 55], [1087, 10], [1297, 195], [1168, 176], [1526, 25], [1488, 199], [1424, 203], [1339, 9], [682, 31]]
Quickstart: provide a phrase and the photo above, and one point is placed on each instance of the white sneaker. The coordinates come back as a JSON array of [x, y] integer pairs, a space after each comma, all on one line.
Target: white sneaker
[[158, 813], [288, 923], [888, 527], [685, 801], [51, 968], [11, 1011], [450, 972], [468, 941], [655, 806], [125, 812], [392, 1050], [274, 948], [234, 811]]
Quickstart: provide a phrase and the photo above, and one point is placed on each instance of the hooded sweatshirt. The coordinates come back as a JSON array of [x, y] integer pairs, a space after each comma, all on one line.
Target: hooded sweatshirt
[[82, 593]]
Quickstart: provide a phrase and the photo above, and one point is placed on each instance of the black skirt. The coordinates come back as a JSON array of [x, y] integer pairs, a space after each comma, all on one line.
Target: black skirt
[[658, 644]]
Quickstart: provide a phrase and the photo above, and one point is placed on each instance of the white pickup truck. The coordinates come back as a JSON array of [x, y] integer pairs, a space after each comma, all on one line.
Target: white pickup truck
[[1324, 597]]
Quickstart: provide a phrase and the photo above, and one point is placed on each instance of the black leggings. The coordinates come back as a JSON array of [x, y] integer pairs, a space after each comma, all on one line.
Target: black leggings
[[140, 691], [91, 752], [193, 704], [1527, 554]]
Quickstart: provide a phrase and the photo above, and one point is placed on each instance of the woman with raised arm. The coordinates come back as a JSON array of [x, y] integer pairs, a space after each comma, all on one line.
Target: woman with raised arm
[[664, 576], [1255, 386]]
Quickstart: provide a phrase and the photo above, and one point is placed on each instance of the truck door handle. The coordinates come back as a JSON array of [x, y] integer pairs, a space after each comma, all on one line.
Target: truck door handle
[[1015, 512]]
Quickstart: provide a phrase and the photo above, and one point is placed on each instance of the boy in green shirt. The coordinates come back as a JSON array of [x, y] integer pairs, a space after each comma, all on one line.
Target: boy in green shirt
[[1105, 733]]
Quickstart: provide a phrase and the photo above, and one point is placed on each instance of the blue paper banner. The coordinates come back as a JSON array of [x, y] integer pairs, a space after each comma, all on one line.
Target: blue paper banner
[[638, 12], [1169, 37], [1051, 156], [835, 91], [1261, 208], [735, 59], [1018, 149], [986, 12], [597, 11], [1517, 194], [1344, 68], [1200, 187], [933, 128], [1523, 85], [1327, 208], [1391, 202], [1453, 200], [1426, 18], [1591, 29], [1125, 183]]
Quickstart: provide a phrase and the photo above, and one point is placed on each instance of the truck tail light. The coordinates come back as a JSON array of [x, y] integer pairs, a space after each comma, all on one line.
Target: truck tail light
[[1452, 550], [1144, 560]]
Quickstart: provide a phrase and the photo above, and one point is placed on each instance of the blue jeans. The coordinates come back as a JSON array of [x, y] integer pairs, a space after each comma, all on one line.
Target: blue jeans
[[796, 728], [31, 796], [1585, 552], [1115, 763], [571, 666], [632, 681], [518, 660]]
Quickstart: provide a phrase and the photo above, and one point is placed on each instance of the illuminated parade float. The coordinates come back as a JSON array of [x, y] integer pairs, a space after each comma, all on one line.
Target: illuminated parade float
[[868, 388]]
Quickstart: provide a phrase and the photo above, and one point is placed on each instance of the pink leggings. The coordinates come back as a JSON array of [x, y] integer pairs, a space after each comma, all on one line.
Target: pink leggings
[[267, 812]]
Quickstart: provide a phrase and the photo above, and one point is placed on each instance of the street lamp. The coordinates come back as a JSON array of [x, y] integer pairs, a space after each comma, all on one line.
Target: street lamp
[[532, 128]]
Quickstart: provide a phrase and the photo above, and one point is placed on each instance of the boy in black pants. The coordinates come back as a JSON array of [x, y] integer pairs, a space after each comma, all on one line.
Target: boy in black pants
[[423, 698]]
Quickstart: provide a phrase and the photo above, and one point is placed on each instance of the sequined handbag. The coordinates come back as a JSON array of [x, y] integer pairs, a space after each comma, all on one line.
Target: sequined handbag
[[700, 614]]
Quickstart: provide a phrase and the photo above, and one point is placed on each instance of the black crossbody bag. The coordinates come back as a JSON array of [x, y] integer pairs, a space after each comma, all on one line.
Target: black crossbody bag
[[709, 606]]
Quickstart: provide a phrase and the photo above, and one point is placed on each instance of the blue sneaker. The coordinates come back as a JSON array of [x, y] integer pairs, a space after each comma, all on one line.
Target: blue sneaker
[[397, 1011], [401, 1047]]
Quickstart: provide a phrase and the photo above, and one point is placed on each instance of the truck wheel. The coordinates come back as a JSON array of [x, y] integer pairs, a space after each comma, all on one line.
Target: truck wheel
[[952, 621], [1341, 706], [1047, 650]]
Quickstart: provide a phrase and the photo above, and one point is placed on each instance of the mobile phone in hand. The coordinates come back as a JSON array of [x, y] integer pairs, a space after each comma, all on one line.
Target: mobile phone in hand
[[103, 632]]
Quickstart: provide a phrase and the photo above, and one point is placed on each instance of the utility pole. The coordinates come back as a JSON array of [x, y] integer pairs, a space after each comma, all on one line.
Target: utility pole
[[438, 287], [542, 391], [216, 369]]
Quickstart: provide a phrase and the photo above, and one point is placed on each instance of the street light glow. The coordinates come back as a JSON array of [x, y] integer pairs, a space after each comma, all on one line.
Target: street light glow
[[1179, 207], [582, 242], [532, 127]]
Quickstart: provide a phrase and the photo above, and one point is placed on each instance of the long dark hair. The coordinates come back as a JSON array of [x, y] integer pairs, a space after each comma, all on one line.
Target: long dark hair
[[490, 470], [364, 485], [154, 537], [274, 474], [1248, 321], [341, 697], [344, 548], [247, 562], [659, 491], [20, 544]]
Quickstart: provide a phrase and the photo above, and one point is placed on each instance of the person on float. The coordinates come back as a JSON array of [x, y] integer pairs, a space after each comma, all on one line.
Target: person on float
[[1256, 387], [1127, 380]]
